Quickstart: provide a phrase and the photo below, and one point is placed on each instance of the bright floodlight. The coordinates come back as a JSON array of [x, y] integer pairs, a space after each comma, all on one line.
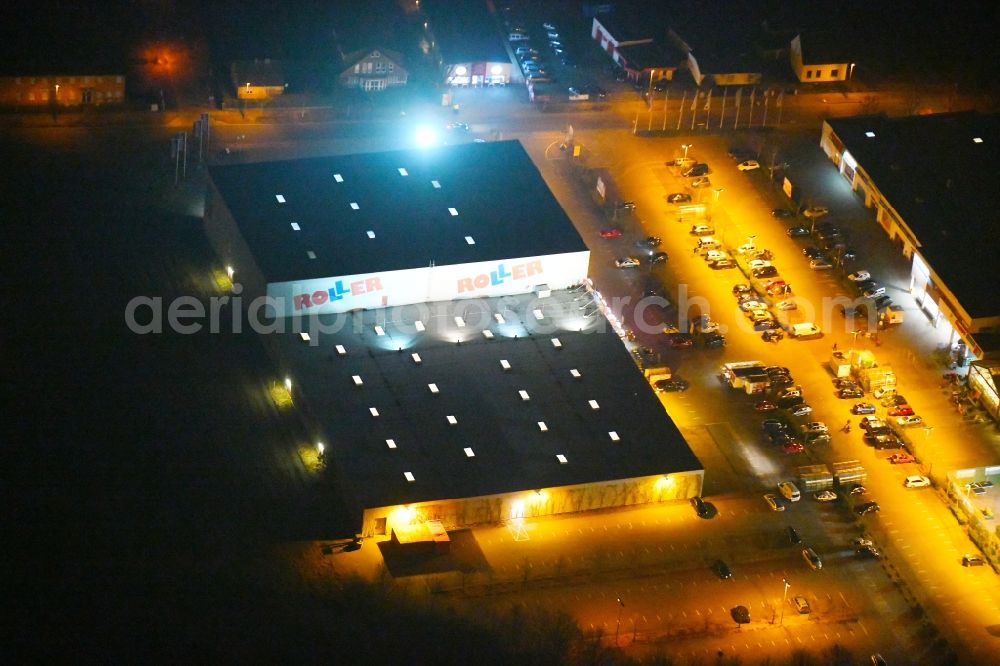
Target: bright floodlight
[[426, 137]]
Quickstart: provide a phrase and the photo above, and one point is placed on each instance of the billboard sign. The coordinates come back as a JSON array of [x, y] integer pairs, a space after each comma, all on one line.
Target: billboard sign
[[430, 283]]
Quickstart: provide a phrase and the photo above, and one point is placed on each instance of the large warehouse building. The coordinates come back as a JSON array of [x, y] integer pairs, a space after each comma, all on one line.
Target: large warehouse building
[[456, 368]]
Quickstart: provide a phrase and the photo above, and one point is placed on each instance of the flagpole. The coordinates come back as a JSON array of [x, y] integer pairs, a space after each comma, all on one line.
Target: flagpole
[[722, 113], [680, 111], [666, 96], [694, 109]]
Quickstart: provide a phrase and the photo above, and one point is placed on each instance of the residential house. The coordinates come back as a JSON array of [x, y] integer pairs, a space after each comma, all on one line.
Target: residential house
[[258, 79], [373, 69], [62, 90], [819, 57]]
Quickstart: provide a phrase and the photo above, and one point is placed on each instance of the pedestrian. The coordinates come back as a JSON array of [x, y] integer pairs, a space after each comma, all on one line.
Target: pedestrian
[[834, 346]]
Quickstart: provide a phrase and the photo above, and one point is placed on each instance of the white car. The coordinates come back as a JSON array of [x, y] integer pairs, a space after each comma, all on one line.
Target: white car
[[815, 211], [786, 305], [772, 501], [916, 482], [859, 276], [627, 262], [702, 230], [749, 165], [701, 181], [826, 496], [746, 247], [715, 255], [758, 316], [820, 265], [872, 292], [805, 330], [751, 304], [907, 421], [758, 263], [815, 426]]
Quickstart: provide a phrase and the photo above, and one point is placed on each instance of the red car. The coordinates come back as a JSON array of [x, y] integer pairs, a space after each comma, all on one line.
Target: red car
[[901, 458], [792, 447], [901, 410], [611, 233], [765, 406]]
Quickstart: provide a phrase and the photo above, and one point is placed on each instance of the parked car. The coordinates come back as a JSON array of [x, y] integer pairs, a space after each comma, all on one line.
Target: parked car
[[801, 605], [820, 264], [792, 447], [814, 426], [699, 169], [909, 421], [658, 257], [722, 263], [650, 241], [972, 561], [722, 570], [901, 459], [850, 392], [740, 289], [701, 181], [797, 231], [916, 482], [782, 213], [812, 559], [859, 276], [773, 502], [774, 426], [703, 508], [801, 410], [901, 410], [702, 230], [715, 255], [873, 291], [627, 262], [812, 251], [863, 408], [671, 385], [826, 496], [681, 341], [758, 263], [815, 212], [678, 197], [714, 340], [751, 304], [866, 508], [765, 406], [764, 272], [793, 536], [748, 165], [611, 233]]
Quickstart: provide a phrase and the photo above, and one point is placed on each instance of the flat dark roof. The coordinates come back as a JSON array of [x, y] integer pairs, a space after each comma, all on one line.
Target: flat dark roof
[[499, 196], [945, 186], [465, 32], [501, 428]]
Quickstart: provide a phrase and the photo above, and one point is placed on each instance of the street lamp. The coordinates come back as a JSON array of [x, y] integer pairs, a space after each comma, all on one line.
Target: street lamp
[[618, 622], [784, 599], [927, 436], [685, 146], [750, 240]]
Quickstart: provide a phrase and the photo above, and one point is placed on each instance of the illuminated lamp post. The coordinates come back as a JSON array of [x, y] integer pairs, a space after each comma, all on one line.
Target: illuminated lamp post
[[784, 599], [686, 146], [618, 622]]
